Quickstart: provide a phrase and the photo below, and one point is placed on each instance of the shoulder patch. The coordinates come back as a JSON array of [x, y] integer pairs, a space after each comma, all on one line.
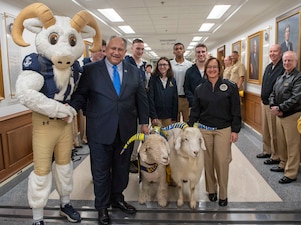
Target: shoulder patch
[[231, 81]]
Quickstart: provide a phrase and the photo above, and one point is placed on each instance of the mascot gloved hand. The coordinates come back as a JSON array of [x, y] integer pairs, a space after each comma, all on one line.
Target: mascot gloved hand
[[45, 86]]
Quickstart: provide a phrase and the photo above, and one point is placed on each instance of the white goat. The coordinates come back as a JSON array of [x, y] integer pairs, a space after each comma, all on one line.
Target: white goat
[[154, 156], [186, 159]]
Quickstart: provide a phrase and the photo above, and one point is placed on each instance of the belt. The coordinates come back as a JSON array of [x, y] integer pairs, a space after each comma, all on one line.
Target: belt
[[55, 118], [182, 96], [202, 126]]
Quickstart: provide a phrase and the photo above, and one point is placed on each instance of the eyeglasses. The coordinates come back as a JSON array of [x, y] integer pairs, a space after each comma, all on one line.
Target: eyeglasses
[[163, 65], [212, 67]]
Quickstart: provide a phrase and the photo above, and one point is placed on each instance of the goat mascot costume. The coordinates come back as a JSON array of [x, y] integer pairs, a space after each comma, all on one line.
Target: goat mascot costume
[[45, 86]]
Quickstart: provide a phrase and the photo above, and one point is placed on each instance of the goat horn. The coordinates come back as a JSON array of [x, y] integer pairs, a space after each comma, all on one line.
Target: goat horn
[[175, 125], [34, 10], [158, 130], [138, 136], [82, 19]]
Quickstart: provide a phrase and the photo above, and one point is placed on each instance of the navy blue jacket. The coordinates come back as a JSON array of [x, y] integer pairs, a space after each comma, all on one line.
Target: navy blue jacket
[[163, 102], [193, 78]]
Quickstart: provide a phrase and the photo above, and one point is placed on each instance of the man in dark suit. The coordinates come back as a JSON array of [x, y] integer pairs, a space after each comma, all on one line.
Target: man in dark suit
[[287, 45], [111, 121], [254, 62]]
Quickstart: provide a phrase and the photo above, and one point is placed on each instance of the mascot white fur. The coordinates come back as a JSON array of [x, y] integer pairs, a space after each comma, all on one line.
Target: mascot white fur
[[45, 86]]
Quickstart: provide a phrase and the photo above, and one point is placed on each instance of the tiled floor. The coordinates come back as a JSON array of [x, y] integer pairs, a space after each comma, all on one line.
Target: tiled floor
[[252, 186], [245, 184]]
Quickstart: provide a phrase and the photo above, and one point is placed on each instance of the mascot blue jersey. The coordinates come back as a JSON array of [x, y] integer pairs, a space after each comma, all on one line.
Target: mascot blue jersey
[[43, 66]]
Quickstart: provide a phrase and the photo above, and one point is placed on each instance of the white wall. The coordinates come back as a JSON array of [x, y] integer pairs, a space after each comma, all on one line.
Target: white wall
[[10, 105], [269, 26]]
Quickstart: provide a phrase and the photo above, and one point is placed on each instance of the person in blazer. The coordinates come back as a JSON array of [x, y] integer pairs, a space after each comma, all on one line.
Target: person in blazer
[[111, 121], [287, 45]]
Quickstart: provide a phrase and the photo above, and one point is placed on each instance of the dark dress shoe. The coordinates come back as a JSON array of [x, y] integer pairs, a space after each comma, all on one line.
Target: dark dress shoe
[[103, 217], [223, 202], [263, 155], [271, 161], [212, 197], [124, 207], [286, 180], [277, 169]]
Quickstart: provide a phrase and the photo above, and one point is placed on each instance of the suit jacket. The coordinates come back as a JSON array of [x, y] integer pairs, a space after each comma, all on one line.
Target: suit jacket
[[106, 111], [285, 48], [254, 61]]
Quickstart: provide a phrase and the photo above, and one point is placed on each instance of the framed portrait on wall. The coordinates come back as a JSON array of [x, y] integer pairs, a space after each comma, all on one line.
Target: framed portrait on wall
[[236, 47], [288, 31], [221, 54], [254, 65]]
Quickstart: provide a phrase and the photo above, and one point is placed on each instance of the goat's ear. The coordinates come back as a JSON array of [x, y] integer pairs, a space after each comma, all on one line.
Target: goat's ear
[[34, 25], [87, 32], [178, 143], [202, 143]]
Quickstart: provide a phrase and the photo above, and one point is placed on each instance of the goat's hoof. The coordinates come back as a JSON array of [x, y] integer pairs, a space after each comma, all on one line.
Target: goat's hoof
[[193, 204], [142, 201], [162, 203], [180, 203]]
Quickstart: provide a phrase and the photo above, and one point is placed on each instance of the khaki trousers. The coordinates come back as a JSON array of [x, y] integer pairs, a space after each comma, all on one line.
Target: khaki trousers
[[289, 143], [165, 122], [217, 159], [183, 107], [269, 138], [50, 136]]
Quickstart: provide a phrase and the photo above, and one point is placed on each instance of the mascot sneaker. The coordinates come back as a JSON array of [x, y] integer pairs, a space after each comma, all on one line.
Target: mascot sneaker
[[41, 222], [69, 212]]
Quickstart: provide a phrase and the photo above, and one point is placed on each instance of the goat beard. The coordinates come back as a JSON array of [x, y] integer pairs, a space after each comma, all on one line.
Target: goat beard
[[61, 77]]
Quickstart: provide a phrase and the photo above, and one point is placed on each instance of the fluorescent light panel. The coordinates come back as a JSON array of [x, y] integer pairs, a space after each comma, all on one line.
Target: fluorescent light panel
[[196, 38], [193, 43], [206, 26], [111, 14], [218, 11], [127, 29]]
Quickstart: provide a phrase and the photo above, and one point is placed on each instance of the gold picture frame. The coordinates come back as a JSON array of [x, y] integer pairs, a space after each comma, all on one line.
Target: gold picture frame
[[237, 47], [254, 58], [87, 52], [288, 32]]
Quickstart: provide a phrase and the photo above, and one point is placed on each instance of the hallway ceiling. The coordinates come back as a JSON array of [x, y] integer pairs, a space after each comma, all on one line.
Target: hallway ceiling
[[161, 23]]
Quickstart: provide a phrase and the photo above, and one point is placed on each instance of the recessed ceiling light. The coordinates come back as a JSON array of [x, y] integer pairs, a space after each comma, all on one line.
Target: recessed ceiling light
[[218, 11], [127, 29], [196, 38], [206, 26], [111, 14], [193, 43]]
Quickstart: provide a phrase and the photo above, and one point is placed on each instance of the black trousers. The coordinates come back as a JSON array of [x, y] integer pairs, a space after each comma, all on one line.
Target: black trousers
[[110, 171]]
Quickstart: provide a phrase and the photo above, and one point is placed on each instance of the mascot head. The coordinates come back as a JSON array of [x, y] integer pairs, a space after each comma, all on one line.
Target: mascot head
[[58, 38]]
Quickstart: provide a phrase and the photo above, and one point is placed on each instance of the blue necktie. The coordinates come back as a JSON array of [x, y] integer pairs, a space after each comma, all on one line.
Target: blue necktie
[[116, 79]]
